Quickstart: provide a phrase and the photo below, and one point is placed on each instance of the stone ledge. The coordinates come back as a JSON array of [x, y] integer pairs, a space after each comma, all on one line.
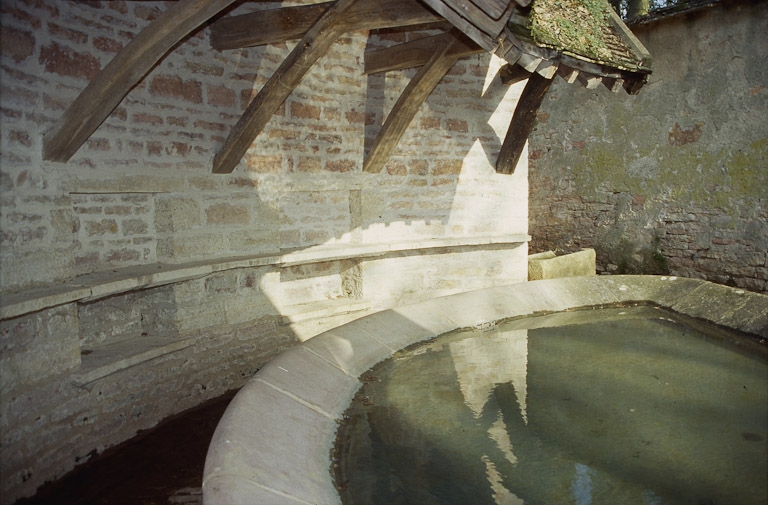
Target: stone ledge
[[101, 284], [247, 465], [110, 358]]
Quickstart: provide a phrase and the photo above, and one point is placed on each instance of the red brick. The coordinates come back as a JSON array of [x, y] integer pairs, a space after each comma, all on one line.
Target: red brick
[[220, 96], [174, 87], [154, 148], [430, 123], [305, 111], [340, 166], [207, 125], [418, 167], [309, 164], [180, 148], [146, 13], [443, 167], [98, 144], [396, 168], [456, 125], [367, 118], [266, 164], [64, 61], [75, 36], [18, 45], [147, 119], [107, 44]]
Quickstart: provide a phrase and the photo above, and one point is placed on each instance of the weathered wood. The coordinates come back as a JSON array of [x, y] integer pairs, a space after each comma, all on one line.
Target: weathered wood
[[613, 84], [522, 123], [401, 115], [290, 23], [119, 76], [490, 25], [487, 42], [417, 53], [568, 74], [547, 68], [589, 81], [315, 43], [494, 8], [512, 74]]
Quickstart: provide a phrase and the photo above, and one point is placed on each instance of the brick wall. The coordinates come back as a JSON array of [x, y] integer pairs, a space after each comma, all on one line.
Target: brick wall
[[139, 196], [671, 180]]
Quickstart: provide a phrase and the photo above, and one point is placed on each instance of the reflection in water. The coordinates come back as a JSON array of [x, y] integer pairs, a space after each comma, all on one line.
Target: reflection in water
[[634, 410]]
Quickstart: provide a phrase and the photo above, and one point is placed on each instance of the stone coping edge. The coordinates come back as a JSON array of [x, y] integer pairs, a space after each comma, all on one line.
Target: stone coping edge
[[110, 282], [273, 444]]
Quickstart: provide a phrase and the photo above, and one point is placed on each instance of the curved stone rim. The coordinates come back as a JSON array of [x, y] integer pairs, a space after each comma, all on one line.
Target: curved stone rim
[[273, 444]]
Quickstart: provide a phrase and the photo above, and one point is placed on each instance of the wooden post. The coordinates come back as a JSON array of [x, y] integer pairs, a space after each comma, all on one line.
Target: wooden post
[[522, 123]]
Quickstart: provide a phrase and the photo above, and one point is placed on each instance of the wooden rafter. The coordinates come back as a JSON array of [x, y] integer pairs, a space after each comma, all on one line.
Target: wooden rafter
[[120, 75], [522, 122], [416, 53], [314, 44], [290, 23], [408, 104]]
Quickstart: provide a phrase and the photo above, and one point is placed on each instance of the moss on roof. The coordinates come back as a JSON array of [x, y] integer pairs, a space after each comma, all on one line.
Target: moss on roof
[[579, 27]]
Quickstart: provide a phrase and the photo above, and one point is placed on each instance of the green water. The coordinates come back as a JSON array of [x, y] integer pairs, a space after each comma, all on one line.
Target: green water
[[639, 408]]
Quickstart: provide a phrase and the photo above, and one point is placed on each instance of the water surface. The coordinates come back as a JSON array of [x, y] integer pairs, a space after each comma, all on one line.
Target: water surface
[[640, 408]]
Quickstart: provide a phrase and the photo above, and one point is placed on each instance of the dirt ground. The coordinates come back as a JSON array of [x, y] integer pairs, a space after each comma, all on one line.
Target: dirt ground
[[157, 467]]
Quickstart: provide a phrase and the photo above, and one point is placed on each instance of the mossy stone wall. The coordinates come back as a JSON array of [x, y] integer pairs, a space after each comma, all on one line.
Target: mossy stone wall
[[673, 180]]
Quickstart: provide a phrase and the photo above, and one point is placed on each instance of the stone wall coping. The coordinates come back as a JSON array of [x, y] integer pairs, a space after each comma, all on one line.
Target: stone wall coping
[[273, 443], [106, 283]]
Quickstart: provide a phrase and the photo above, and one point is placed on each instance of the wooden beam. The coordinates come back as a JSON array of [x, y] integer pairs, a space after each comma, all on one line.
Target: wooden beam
[[417, 53], [290, 23], [315, 43], [119, 76], [408, 104], [522, 123], [512, 74]]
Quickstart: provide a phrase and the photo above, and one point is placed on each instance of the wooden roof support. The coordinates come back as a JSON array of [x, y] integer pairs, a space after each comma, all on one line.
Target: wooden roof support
[[522, 122], [119, 76], [315, 43], [290, 23], [408, 104], [512, 74], [418, 52]]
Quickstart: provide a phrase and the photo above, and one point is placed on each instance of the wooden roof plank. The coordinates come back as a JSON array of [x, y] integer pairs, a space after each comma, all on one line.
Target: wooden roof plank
[[494, 8], [416, 53], [522, 123], [476, 16], [486, 41], [289, 23], [407, 105], [315, 43], [119, 76]]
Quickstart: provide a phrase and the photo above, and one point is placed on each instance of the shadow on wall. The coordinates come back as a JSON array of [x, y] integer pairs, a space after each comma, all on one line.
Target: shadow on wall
[[137, 285]]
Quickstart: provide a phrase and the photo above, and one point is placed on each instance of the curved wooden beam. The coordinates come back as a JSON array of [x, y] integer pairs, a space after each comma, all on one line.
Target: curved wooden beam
[[310, 48], [120, 75], [415, 93], [522, 122]]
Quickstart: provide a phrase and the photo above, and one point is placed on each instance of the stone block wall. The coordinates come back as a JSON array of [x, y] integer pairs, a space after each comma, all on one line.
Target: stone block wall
[[136, 284], [672, 180]]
